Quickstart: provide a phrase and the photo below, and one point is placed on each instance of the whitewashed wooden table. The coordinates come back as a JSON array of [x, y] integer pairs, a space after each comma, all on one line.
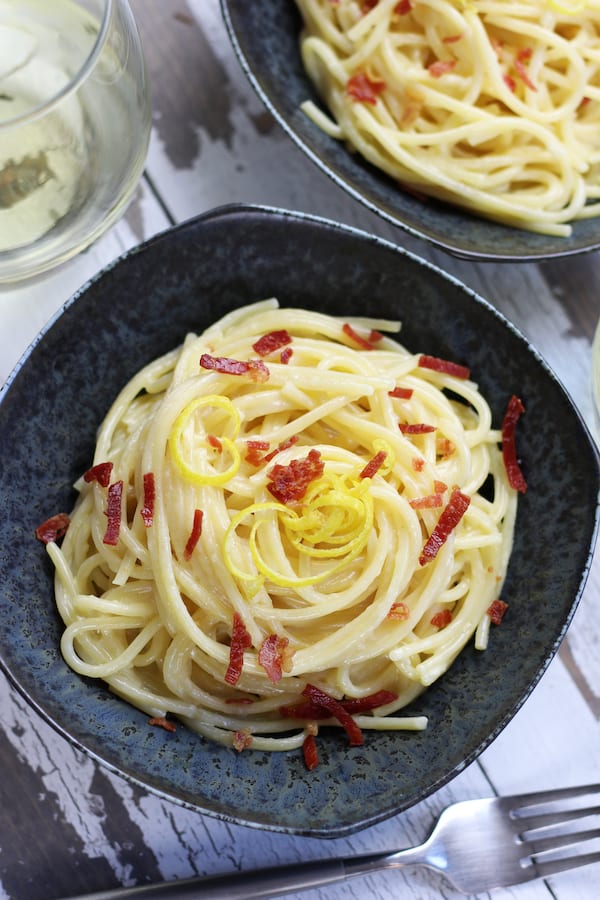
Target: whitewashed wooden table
[[67, 825]]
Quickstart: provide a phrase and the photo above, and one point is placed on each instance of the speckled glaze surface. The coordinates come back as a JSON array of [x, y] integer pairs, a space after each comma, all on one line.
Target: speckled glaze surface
[[265, 36], [143, 306]]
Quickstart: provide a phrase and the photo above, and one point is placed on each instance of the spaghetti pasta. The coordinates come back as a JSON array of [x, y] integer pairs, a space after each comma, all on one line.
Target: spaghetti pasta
[[490, 105], [305, 508]]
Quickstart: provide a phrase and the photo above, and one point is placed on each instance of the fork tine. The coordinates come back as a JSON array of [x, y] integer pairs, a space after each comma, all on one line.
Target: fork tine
[[558, 841], [537, 798], [565, 864], [547, 820]]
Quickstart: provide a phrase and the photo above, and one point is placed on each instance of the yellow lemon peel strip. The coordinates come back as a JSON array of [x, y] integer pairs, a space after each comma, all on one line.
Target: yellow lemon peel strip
[[206, 475]]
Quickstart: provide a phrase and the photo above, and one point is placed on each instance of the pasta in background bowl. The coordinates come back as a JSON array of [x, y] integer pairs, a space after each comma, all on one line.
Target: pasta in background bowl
[[142, 308], [427, 111]]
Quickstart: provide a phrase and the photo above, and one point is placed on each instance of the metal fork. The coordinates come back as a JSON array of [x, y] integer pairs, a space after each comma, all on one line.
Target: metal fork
[[477, 845]]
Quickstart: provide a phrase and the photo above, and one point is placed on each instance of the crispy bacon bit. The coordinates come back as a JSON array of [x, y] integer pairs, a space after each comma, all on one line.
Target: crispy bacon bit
[[443, 365], [375, 336], [162, 722], [496, 611], [53, 529], [523, 57], [364, 89], [403, 7], [362, 342], [444, 447], [271, 656], [255, 369], [224, 364], [335, 708], [399, 611], [101, 473], [286, 355], [241, 740], [416, 428], [401, 393], [418, 463], [272, 341], [355, 705], [310, 709], [289, 483], [195, 534], [452, 38], [440, 67], [309, 750], [450, 517], [514, 410], [510, 82], [147, 510], [113, 513], [440, 487], [373, 465], [428, 502], [441, 618], [214, 442], [284, 445], [240, 641], [254, 453]]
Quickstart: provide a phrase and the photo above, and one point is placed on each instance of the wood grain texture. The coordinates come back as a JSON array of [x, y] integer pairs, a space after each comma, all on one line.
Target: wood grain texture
[[68, 825]]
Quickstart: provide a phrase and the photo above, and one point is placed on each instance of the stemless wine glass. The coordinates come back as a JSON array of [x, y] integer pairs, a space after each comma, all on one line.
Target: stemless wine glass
[[74, 126]]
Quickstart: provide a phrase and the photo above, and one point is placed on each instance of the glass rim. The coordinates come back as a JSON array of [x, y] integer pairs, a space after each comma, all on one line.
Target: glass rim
[[88, 64]]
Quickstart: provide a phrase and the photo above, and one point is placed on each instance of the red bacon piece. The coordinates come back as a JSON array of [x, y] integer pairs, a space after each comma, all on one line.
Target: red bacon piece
[[309, 750], [289, 483], [362, 342], [364, 89], [401, 393], [147, 511], [429, 502], [440, 67], [113, 513], [399, 610], [286, 355], [450, 517], [373, 465], [101, 473], [441, 618], [271, 656], [240, 641], [284, 445], [213, 441], [254, 452], [443, 365], [416, 428], [271, 341], [514, 410], [403, 7], [53, 529], [309, 709], [195, 534], [496, 611], [254, 368], [241, 740], [335, 708], [162, 722]]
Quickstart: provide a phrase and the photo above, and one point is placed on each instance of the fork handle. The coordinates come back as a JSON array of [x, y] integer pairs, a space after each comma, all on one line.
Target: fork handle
[[257, 883]]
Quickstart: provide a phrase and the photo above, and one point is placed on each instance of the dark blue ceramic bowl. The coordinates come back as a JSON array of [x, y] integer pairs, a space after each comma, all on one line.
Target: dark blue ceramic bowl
[[143, 306], [265, 36]]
